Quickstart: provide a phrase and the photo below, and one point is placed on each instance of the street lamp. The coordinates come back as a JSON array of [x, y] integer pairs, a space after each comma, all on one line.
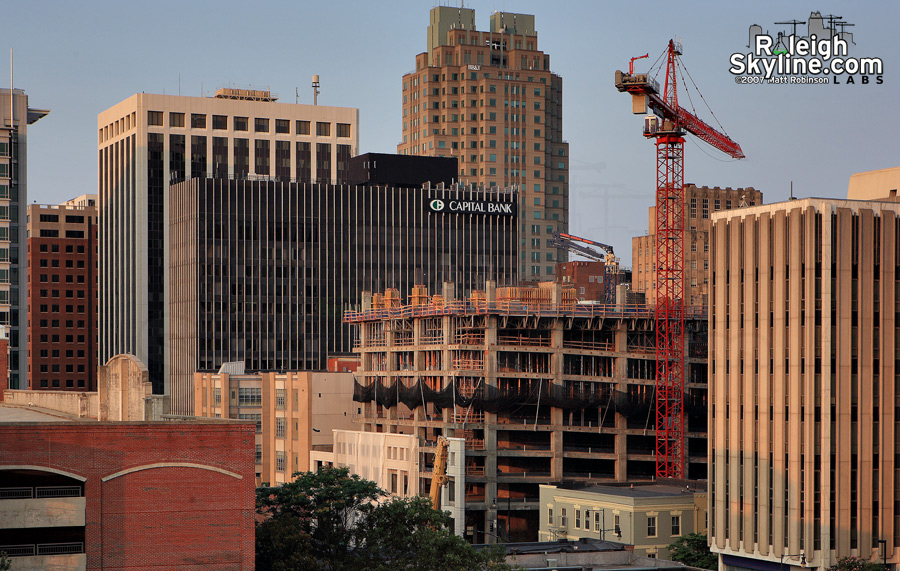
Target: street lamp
[[801, 555]]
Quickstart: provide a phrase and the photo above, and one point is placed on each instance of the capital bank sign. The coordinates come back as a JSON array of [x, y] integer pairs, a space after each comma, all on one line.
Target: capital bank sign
[[471, 207]]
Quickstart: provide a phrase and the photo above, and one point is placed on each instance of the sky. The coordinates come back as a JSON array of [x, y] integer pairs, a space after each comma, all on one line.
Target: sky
[[79, 58]]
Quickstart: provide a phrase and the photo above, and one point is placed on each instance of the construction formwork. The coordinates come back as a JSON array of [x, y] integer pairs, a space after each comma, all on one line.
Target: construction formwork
[[542, 388]]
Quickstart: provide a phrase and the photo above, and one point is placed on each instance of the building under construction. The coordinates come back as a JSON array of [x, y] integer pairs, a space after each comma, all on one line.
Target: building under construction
[[542, 388]]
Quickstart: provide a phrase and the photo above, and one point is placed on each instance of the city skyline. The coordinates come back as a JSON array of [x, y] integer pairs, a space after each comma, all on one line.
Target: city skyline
[[815, 136]]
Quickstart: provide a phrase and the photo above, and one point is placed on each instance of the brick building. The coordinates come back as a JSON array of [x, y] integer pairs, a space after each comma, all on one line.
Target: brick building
[[62, 295], [125, 495], [585, 277], [700, 203]]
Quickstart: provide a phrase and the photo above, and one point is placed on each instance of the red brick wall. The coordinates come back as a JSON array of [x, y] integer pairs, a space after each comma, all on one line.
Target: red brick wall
[[343, 364], [161, 517], [62, 314], [583, 275]]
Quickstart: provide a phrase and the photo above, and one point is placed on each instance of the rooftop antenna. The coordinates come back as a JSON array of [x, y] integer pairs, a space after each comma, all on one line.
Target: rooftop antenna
[[315, 86], [12, 107], [296, 95]]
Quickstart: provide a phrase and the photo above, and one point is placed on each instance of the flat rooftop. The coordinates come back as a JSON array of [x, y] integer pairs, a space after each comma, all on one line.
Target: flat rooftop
[[641, 490], [10, 414]]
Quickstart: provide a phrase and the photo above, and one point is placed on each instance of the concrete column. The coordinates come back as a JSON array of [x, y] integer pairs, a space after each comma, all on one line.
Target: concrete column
[[621, 370]]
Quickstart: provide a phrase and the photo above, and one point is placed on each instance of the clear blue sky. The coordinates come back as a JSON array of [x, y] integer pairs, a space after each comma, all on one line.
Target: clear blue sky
[[78, 58]]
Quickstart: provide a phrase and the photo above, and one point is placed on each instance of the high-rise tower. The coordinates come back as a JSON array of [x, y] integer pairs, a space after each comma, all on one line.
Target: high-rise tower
[[490, 99], [15, 117], [147, 142]]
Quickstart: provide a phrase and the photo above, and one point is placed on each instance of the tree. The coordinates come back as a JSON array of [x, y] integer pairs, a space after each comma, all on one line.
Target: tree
[[282, 545], [5, 563], [332, 519], [855, 564], [693, 549]]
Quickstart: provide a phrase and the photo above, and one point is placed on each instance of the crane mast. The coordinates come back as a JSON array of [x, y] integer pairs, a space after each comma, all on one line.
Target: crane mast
[[670, 237]]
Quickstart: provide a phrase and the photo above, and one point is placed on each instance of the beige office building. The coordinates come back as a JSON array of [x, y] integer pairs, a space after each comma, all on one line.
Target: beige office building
[[803, 361], [490, 99], [649, 516], [701, 203], [149, 141], [295, 413]]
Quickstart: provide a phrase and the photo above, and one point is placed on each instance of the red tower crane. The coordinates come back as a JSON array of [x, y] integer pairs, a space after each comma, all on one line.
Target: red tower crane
[[669, 136]]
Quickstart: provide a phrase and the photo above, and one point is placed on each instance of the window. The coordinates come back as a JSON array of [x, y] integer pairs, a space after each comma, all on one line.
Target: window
[[343, 130], [282, 126], [676, 525], [241, 123], [259, 453], [256, 417], [597, 521], [549, 516], [280, 399], [563, 520], [577, 518], [323, 129], [4, 191], [249, 396], [303, 127], [176, 119], [280, 461], [651, 526], [217, 396], [261, 125], [280, 427], [198, 121], [155, 118], [220, 122], [587, 519]]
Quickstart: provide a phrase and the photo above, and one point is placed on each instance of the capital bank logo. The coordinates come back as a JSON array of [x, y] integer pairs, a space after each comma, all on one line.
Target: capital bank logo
[[437, 205]]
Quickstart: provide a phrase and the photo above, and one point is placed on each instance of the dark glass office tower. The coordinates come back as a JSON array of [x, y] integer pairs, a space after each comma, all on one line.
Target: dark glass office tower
[[261, 271]]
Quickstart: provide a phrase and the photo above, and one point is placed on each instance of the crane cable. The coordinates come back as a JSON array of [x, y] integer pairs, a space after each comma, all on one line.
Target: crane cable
[[694, 111], [711, 112]]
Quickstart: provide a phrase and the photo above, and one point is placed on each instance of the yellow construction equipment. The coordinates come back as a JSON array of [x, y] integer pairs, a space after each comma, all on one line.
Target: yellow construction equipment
[[439, 478]]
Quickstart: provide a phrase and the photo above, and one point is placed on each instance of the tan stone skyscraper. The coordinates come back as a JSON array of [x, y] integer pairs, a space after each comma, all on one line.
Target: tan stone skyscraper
[[804, 446], [490, 99]]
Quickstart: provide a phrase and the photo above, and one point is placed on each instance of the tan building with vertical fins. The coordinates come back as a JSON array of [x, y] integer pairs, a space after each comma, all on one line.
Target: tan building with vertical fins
[[803, 383], [490, 99], [701, 202]]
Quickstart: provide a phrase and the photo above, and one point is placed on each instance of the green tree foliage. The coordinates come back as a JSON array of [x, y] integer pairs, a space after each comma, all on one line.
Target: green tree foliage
[[693, 550], [855, 564], [331, 519], [5, 563]]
